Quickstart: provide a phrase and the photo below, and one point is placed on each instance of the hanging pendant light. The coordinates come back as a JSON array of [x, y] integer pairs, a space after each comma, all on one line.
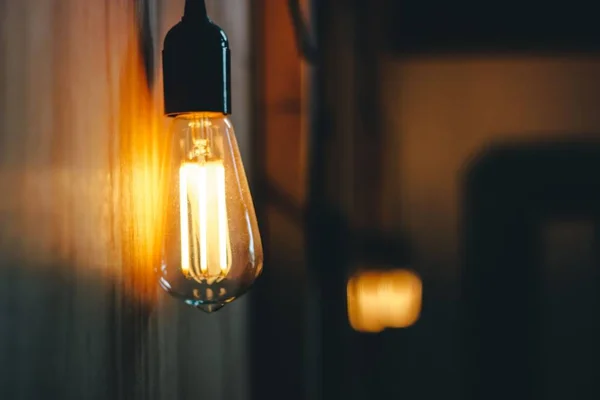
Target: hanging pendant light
[[212, 250], [382, 292]]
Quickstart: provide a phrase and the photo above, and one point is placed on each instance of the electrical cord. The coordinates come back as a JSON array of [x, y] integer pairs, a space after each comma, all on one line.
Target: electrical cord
[[304, 42]]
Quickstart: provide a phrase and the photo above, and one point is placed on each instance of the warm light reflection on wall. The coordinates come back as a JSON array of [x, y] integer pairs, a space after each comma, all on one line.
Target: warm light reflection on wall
[[83, 199], [383, 299], [143, 146]]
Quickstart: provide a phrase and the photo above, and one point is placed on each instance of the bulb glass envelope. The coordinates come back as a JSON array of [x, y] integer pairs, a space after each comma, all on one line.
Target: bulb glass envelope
[[212, 252]]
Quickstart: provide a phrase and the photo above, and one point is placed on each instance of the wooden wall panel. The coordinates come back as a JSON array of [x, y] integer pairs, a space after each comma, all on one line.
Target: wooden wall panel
[[284, 97], [81, 159]]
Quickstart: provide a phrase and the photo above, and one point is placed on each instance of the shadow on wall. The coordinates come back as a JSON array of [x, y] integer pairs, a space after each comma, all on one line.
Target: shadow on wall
[[64, 333], [532, 276]]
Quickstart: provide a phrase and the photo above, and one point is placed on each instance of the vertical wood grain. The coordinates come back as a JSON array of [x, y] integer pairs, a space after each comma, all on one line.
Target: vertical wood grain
[[57, 257], [82, 140]]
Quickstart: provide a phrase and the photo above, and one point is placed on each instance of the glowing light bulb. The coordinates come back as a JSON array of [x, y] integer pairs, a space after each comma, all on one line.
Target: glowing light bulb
[[383, 299], [213, 251]]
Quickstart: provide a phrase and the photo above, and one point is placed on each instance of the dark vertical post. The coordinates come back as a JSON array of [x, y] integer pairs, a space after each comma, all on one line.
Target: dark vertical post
[[314, 193], [325, 232]]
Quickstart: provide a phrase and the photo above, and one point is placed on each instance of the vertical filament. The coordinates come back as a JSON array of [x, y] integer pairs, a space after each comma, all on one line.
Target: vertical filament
[[205, 239], [223, 239], [184, 215], [203, 218]]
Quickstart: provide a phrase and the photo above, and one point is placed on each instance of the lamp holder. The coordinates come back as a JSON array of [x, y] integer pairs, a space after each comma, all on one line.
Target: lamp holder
[[196, 64]]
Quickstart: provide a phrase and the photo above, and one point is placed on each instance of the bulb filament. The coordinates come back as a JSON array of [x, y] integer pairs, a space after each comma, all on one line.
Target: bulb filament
[[205, 242]]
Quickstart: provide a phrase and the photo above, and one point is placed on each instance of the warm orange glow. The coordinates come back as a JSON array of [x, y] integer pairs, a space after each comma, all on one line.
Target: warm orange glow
[[143, 148], [383, 299], [203, 215]]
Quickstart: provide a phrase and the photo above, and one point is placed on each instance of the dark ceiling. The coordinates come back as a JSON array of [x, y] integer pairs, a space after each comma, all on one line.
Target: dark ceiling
[[468, 26]]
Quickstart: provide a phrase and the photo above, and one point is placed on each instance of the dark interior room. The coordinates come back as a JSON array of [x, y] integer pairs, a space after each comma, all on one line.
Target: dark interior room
[[299, 199]]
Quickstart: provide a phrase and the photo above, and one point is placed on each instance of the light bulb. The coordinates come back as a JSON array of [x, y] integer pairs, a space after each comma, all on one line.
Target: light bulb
[[213, 251], [380, 299]]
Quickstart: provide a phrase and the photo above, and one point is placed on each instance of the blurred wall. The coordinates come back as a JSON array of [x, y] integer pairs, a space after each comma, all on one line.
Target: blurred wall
[[278, 330], [440, 113], [81, 315], [398, 133]]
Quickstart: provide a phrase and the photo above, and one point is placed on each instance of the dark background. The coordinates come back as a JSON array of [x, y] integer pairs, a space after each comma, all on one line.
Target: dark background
[[458, 140], [495, 204]]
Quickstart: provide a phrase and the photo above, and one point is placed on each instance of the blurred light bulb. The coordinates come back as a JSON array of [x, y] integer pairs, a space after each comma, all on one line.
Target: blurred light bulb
[[213, 251], [383, 299]]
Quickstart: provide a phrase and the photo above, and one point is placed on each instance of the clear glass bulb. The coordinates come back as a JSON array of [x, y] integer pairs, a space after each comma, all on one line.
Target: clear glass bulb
[[212, 252]]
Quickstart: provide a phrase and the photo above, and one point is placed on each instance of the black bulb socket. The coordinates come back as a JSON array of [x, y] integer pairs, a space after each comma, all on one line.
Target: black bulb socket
[[196, 65]]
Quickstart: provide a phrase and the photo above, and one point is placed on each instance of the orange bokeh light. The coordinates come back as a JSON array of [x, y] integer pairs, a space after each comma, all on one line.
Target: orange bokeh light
[[380, 299]]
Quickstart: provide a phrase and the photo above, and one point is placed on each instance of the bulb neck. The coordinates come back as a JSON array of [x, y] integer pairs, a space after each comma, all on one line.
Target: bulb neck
[[194, 10], [200, 114]]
